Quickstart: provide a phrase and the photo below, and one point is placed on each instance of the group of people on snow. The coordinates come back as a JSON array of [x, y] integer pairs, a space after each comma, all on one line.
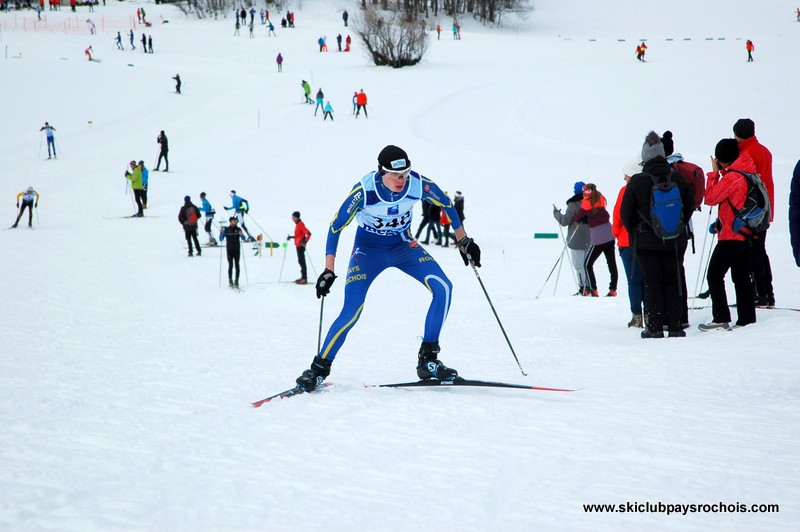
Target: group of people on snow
[[652, 257]]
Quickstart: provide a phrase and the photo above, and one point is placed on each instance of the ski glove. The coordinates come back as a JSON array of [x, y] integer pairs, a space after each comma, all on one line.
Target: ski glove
[[324, 283], [469, 251]]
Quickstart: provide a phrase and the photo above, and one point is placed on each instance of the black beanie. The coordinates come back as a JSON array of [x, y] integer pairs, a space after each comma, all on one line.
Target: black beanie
[[666, 140], [744, 128], [727, 151], [187, 199], [393, 159], [296, 214]]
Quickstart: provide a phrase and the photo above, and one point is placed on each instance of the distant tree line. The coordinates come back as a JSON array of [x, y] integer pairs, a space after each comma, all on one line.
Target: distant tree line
[[487, 11], [215, 8]]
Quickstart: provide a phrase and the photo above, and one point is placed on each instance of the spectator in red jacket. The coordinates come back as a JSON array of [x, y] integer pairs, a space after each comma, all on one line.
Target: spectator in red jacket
[[728, 189], [301, 237], [745, 132], [750, 47]]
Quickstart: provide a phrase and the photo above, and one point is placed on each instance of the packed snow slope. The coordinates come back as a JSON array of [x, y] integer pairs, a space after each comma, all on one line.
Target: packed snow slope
[[126, 372]]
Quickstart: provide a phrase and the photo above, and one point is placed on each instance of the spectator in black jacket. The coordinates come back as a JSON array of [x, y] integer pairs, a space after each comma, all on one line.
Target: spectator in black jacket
[[660, 260], [188, 216], [162, 139], [794, 210]]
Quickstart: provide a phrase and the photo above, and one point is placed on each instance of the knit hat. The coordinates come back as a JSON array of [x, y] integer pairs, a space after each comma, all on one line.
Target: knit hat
[[632, 167], [578, 187], [666, 140], [652, 147], [187, 199], [393, 159], [727, 151], [744, 128], [296, 214]]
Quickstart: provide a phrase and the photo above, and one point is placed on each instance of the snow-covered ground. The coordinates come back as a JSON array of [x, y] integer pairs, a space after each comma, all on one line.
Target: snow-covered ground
[[126, 373]]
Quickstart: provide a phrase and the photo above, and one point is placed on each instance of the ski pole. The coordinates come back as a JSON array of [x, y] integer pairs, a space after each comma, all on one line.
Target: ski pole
[[560, 257], [319, 334], [560, 264], [220, 266], [244, 260], [37, 216], [702, 255], [474, 269], [283, 261], [574, 275], [259, 226], [311, 263], [41, 136]]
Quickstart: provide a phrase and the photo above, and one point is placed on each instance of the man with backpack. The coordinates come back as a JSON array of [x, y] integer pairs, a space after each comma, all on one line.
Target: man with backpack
[[744, 130], [695, 176], [188, 216], [656, 206], [728, 187]]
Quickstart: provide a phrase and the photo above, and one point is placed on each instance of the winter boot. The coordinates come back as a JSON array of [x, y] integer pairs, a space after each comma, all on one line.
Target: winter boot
[[636, 321], [430, 367], [647, 333], [315, 375], [677, 334], [714, 326], [230, 283], [611, 293]]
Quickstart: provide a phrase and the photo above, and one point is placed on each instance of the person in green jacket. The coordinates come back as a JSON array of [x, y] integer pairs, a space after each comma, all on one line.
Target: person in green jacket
[[135, 177], [307, 91]]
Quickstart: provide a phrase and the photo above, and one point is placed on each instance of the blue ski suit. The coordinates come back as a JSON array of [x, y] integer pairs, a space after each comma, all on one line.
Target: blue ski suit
[[383, 239]]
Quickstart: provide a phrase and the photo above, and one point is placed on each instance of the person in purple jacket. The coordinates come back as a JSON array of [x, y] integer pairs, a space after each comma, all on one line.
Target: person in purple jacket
[[593, 212]]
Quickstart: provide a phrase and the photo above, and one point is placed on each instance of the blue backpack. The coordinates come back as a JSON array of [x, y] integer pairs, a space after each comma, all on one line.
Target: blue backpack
[[666, 208]]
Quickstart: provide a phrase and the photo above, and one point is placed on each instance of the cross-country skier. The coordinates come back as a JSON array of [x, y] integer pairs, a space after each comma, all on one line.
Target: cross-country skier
[[382, 202], [301, 237], [164, 152], [240, 206], [327, 111], [51, 140], [320, 102], [307, 91], [118, 40], [188, 216], [133, 46], [30, 201], [145, 179], [208, 210], [177, 79], [232, 235], [135, 177]]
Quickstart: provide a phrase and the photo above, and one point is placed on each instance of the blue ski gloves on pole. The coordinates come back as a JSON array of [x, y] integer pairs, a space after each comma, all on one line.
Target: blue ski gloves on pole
[[469, 251], [324, 283]]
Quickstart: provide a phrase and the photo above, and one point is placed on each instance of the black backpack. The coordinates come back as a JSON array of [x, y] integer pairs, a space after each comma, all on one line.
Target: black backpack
[[754, 215]]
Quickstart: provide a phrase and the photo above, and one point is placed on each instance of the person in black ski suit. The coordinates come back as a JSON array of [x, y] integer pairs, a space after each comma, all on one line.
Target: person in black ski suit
[[659, 259], [188, 216], [162, 139], [232, 235]]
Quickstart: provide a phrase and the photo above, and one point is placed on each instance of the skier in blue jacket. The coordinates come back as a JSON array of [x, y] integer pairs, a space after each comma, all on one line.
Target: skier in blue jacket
[[240, 207], [382, 203], [208, 210]]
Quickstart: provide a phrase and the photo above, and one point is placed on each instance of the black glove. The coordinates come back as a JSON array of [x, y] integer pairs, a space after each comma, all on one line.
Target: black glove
[[290, 237], [36, 205], [469, 251], [324, 283]]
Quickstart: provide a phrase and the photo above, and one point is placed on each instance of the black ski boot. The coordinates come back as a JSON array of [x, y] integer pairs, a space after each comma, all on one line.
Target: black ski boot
[[314, 376], [429, 365]]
